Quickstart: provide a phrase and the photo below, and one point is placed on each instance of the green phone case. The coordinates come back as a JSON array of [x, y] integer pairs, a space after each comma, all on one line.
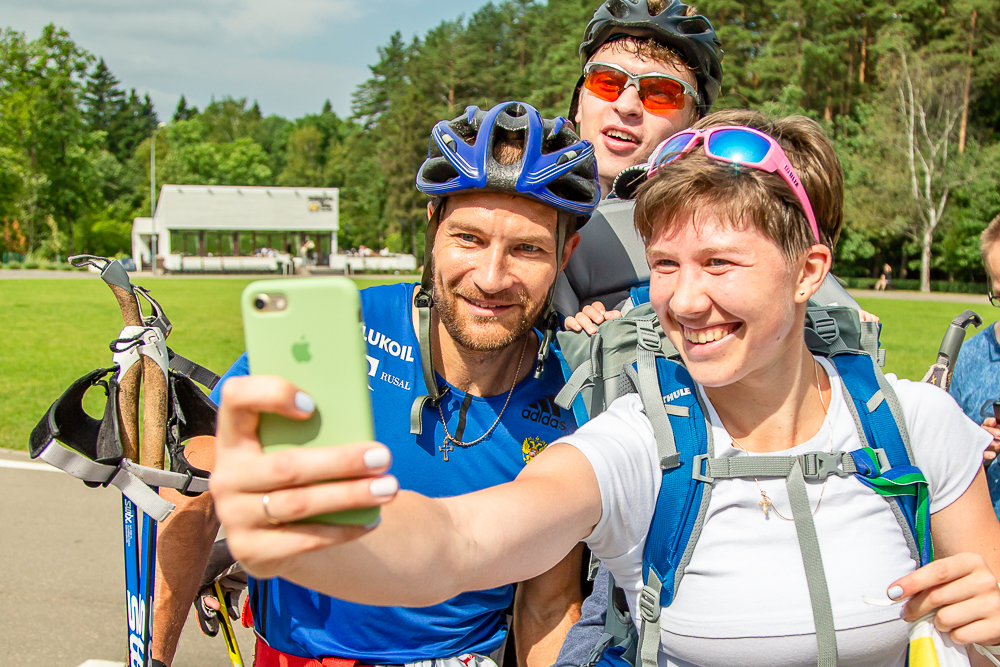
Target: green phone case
[[315, 342]]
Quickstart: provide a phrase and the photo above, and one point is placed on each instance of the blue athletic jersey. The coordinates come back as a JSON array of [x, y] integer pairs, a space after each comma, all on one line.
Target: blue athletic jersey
[[304, 623]]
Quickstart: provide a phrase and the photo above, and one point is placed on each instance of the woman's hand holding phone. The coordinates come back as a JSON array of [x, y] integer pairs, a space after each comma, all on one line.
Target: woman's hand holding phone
[[258, 496]]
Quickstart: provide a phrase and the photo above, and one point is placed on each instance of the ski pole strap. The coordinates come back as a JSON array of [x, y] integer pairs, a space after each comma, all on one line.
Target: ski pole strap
[[131, 478], [122, 476], [190, 369], [899, 481]]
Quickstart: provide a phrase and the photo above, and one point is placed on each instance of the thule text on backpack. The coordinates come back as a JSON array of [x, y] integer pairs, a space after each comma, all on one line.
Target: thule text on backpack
[[674, 395]]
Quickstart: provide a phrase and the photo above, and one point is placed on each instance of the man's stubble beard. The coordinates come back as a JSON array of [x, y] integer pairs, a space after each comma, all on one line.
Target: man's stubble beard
[[463, 329]]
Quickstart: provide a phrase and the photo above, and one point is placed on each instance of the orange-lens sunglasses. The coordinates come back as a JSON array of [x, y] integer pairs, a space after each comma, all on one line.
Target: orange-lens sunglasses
[[658, 92]]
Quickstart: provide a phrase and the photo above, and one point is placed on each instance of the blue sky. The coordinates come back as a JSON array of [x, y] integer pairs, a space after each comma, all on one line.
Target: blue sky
[[289, 55]]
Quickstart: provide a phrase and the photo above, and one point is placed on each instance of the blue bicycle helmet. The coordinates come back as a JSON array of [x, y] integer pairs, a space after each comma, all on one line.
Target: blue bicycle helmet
[[556, 167], [675, 25]]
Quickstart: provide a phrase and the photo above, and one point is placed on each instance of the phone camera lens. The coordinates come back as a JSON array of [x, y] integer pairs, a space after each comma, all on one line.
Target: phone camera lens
[[260, 303]]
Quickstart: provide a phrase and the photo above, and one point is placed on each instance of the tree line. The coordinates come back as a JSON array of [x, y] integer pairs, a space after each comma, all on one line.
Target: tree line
[[909, 90]]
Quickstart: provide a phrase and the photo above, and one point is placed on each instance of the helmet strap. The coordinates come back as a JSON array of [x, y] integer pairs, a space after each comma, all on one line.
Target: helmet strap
[[574, 104], [549, 318], [423, 301]]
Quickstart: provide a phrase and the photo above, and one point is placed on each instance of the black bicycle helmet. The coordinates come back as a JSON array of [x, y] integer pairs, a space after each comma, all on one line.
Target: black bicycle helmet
[[556, 167], [692, 37]]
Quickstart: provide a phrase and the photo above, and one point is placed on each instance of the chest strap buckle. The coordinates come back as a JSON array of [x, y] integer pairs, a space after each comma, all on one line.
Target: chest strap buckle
[[820, 465]]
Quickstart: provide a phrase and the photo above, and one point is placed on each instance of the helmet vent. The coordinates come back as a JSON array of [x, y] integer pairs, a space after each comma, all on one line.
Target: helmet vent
[[508, 146], [617, 8], [695, 25], [439, 171]]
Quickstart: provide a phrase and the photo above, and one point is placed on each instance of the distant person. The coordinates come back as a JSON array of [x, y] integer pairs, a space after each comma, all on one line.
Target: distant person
[[976, 380], [884, 279]]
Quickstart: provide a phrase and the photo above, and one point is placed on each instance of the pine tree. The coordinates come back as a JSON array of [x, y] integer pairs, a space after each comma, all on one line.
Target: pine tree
[[102, 99], [183, 111], [134, 121]]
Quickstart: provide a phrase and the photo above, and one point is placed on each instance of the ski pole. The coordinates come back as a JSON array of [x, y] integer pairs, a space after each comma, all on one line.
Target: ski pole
[[939, 374], [227, 628], [139, 579]]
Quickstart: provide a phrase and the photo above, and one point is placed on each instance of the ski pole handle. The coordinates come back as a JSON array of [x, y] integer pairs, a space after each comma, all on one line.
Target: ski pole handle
[[115, 275], [154, 411]]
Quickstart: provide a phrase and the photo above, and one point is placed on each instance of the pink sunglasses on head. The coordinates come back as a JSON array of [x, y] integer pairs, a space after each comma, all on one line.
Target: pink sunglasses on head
[[737, 145]]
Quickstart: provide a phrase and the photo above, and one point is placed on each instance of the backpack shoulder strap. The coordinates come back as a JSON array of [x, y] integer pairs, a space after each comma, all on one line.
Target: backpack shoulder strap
[[683, 439], [885, 461]]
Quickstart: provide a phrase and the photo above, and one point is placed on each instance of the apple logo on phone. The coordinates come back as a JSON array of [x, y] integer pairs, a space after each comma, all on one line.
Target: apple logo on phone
[[300, 350]]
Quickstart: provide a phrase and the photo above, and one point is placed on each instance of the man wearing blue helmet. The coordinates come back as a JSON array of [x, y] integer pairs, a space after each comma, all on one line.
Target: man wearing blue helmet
[[461, 394]]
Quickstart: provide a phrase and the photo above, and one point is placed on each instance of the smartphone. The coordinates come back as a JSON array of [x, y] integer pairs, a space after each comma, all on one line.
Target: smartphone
[[308, 331]]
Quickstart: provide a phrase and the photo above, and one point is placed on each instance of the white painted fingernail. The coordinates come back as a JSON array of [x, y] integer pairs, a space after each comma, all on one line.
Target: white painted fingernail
[[384, 486], [304, 402], [377, 458], [895, 592]]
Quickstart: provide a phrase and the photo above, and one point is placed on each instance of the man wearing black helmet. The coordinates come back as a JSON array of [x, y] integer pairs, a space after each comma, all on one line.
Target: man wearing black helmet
[[461, 395], [651, 68]]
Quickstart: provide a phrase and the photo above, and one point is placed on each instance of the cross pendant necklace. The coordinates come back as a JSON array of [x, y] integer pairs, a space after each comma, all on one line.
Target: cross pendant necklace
[[446, 447], [765, 503], [450, 440]]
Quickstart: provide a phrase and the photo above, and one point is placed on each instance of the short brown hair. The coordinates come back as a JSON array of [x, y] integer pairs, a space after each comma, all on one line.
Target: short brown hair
[[988, 239], [751, 198], [645, 49]]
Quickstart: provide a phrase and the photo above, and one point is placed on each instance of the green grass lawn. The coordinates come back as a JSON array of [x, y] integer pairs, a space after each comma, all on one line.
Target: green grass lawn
[[912, 330], [54, 331]]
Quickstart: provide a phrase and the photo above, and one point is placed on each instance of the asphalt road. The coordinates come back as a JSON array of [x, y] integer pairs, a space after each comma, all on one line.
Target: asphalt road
[[62, 584]]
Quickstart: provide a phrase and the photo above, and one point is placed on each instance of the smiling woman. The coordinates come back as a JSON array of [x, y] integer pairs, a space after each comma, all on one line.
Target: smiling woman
[[759, 505]]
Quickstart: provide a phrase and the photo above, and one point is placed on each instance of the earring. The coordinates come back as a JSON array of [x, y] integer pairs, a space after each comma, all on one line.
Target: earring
[[802, 292]]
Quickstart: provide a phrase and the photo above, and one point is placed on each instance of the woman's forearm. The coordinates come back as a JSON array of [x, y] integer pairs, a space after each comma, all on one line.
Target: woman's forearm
[[428, 550]]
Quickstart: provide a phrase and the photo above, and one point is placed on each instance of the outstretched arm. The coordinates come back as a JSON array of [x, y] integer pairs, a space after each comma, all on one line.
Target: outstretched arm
[[424, 550]]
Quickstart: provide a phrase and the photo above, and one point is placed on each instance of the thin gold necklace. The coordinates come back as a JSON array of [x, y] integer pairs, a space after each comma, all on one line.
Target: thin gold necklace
[[765, 503], [449, 440]]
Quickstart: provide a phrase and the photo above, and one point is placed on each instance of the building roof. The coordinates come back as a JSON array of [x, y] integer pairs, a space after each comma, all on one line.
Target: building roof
[[240, 207]]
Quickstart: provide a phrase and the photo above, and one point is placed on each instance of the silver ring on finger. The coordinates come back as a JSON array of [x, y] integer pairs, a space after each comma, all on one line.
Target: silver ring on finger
[[265, 502]]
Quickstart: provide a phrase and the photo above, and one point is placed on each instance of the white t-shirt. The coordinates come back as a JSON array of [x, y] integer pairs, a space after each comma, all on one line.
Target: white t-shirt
[[743, 599]]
